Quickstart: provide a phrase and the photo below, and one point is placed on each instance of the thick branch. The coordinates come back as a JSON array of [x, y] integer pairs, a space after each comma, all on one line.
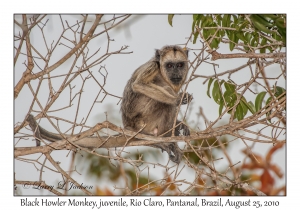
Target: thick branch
[[246, 186], [87, 140], [216, 55]]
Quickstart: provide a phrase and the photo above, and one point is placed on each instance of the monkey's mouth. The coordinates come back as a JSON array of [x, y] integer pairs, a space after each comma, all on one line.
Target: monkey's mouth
[[176, 80]]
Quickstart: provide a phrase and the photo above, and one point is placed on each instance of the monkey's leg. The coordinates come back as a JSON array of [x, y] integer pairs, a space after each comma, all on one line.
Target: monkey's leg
[[175, 153], [172, 149], [181, 128]]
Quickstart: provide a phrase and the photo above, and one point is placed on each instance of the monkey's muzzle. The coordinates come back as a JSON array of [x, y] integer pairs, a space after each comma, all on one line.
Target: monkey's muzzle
[[176, 80]]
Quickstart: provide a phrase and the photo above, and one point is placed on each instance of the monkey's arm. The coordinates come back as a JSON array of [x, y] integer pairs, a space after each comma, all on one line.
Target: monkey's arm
[[155, 92], [144, 84]]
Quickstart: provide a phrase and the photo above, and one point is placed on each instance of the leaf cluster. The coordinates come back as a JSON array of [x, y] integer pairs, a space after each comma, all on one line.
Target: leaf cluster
[[229, 97], [262, 31]]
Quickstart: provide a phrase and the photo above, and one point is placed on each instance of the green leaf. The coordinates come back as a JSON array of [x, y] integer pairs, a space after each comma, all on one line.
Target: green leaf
[[283, 34], [267, 103], [251, 107], [212, 31], [193, 26], [236, 38], [228, 33], [232, 39], [234, 18], [221, 106], [210, 20], [214, 44], [269, 100], [243, 25], [248, 36], [244, 106], [196, 16], [280, 23], [222, 81], [240, 35], [170, 19], [205, 21], [239, 112], [262, 43], [225, 21], [230, 98], [208, 88], [277, 37], [200, 17], [264, 20], [254, 41], [260, 25], [205, 34], [222, 33], [246, 48], [259, 99], [196, 21], [195, 37], [227, 95], [270, 49], [219, 19], [279, 91], [230, 87], [216, 93], [269, 16]]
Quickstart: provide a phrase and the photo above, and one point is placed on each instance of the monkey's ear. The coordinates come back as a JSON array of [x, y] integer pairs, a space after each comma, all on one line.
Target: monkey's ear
[[186, 51], [157, 55]]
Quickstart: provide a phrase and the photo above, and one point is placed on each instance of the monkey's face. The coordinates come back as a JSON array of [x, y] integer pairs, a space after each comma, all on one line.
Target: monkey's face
[[173, 62], [175, 71], [174, 67]]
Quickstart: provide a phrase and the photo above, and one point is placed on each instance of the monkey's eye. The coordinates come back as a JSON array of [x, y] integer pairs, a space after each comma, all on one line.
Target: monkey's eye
[[169, 65], [179, 64]]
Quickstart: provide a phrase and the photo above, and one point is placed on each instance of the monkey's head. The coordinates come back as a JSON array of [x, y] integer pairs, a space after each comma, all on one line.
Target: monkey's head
[[173, 64]]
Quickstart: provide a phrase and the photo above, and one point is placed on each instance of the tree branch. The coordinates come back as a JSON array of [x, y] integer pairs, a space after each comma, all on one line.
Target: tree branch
[[28, 76], [87, 140], [216, 55]]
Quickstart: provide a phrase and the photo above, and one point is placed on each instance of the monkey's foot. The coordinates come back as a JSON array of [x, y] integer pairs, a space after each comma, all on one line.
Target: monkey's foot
[[182, 129], [174, 152]]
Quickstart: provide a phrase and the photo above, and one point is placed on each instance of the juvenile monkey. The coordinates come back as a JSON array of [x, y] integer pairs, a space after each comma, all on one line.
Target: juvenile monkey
[[151, 97]]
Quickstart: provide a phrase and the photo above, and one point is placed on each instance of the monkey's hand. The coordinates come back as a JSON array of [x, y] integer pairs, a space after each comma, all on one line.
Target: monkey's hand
[[187, 98]]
